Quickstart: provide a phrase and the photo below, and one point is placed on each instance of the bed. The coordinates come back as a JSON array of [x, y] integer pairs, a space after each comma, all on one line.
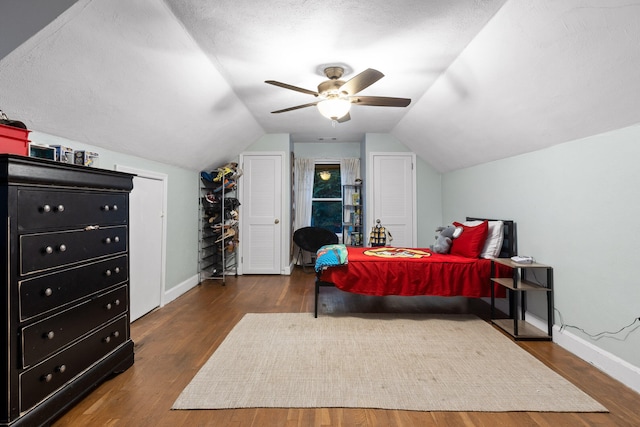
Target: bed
[[420, 271]]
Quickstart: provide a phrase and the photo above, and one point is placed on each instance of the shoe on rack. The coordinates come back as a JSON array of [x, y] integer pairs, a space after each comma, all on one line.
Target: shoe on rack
[[231, 203], [212, 198], [228, 224], [211, 209], [206, 176], [228, 233], [225, 171], [231, 245], [228, 184], [217, 270]]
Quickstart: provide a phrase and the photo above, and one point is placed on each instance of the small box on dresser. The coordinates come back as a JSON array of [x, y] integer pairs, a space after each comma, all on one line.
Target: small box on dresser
[[65, 327], [86, 158]]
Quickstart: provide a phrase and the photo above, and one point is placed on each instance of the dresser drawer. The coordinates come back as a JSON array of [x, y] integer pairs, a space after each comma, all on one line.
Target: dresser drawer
[[45, 209], [44, 293], [40, 381], [49, 335], [43, 251]]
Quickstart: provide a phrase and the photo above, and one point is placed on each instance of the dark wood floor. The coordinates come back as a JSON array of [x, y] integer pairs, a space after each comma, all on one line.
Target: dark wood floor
[[172, 343]]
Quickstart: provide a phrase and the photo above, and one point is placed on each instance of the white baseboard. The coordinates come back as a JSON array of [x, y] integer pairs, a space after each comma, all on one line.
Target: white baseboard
[[608, 363], [180, 289], [288, 269]]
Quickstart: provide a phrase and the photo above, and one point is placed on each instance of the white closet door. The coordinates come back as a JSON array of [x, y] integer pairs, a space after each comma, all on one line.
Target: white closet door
[[147, 235], [261, 213], [393, 188]]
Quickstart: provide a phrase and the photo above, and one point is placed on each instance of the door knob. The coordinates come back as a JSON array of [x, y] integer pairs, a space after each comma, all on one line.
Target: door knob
[[277, 221]]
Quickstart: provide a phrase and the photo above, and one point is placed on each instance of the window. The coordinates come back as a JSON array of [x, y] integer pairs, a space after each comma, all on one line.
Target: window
[[326, 204]]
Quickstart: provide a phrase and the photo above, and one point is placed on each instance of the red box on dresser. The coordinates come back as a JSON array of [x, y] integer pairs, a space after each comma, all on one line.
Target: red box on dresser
[[14, 140]]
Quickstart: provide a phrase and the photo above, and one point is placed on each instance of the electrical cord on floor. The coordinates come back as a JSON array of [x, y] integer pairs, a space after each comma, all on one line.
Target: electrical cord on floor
[[599, 334]]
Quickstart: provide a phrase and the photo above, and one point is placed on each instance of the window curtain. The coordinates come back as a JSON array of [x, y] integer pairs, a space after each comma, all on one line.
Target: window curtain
[[349, 171], [303, 170]]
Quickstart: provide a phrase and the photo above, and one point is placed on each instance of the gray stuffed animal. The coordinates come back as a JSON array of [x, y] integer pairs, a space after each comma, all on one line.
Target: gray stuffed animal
[[445, 238]]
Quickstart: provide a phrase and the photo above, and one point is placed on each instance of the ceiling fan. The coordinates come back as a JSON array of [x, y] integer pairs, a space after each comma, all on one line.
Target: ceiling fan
[[336, 96]]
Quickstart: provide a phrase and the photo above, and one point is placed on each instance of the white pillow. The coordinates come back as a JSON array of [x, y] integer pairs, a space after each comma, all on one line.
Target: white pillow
[[495, 236]]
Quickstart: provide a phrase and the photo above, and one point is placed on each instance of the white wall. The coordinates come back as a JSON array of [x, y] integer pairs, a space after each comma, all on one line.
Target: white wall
[[577, 208], [327, 150]]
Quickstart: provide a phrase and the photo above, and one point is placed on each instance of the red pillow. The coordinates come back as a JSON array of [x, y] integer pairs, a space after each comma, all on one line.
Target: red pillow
[[470, 243]]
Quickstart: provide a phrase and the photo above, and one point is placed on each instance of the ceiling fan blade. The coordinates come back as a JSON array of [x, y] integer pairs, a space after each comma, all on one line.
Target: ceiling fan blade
[[344, 118], [380, 101], [361, 81], [296, 88], [311, 104]]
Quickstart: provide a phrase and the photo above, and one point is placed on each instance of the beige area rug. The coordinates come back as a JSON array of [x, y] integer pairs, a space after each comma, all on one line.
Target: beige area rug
[[406, 362]]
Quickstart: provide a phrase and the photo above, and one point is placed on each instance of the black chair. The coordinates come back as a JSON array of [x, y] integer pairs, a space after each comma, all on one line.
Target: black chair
[[310, 239]]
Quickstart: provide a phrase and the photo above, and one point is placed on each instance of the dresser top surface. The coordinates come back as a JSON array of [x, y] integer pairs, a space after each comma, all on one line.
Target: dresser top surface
[[16, 170]]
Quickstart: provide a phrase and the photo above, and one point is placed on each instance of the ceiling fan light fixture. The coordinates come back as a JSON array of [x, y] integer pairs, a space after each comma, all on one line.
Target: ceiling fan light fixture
[[334, 108], [325, 175]]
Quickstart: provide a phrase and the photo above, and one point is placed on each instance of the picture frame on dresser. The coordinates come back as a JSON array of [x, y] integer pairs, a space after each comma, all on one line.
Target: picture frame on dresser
[[65, 295]]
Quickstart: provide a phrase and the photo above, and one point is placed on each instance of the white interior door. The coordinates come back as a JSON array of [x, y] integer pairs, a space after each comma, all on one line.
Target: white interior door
[[147, 204], [261, 213], [392, 182]]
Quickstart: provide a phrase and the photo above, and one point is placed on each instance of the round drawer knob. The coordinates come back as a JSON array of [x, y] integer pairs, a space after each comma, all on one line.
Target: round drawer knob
[[46, 208], [116, 239], [60, 208], [107, 240], [48, 292], [108, 306], [47, 378], [115, 207], [106, 207], [117, 302], [62, 248], [108, 273], [61, 368], [117, 270], [107, 339], [48, 250], [50, 335], [116, 334]]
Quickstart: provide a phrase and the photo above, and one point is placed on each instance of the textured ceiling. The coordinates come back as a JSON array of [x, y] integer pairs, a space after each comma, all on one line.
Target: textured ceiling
[[182, 81]]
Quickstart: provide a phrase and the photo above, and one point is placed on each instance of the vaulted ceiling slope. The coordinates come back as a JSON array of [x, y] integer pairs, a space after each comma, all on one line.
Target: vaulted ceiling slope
[[182, 81]]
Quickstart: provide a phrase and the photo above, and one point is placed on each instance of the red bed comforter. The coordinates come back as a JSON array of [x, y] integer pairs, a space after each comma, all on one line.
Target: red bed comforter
[[431, 274]]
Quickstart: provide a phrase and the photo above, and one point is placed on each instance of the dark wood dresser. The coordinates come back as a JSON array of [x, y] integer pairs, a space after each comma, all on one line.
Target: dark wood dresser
[[65, 291]]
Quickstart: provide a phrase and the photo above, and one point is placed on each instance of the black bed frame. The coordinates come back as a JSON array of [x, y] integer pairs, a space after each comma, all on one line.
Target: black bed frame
[[509, 249]]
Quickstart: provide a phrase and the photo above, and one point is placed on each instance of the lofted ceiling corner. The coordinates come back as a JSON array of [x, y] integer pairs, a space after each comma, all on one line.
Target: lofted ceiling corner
[[129, 78], [539, 74]]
